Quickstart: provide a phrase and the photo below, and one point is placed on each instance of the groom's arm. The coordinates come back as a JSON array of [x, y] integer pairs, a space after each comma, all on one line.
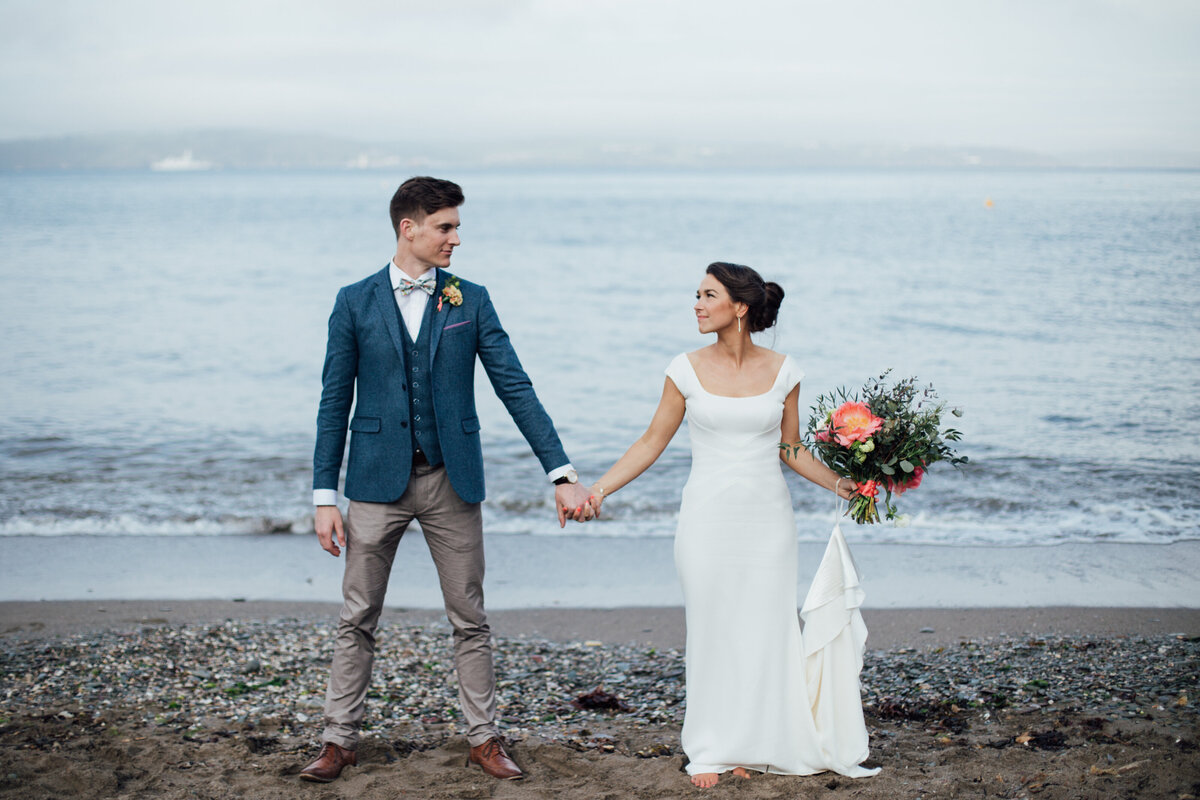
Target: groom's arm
[[514, 388], [337, 396]]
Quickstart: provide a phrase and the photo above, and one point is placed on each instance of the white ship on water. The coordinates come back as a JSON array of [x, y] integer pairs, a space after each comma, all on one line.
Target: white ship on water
[[183, 163]]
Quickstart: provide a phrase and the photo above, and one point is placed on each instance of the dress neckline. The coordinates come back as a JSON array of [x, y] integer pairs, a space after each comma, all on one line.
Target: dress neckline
[[774, 383]]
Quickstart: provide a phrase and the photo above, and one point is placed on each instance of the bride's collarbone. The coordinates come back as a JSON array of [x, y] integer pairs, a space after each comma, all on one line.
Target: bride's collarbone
[[754, 376]]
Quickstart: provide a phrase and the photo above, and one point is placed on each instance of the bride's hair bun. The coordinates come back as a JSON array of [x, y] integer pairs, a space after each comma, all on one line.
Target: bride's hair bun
[[770, 309], [745, 285]]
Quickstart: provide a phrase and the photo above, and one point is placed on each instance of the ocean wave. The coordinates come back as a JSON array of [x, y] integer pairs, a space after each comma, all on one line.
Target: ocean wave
[[941, 525], [132, 525], [74, 487], [1068, 526]]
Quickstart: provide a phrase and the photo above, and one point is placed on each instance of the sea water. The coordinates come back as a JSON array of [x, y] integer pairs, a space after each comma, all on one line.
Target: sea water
[[164, 334]]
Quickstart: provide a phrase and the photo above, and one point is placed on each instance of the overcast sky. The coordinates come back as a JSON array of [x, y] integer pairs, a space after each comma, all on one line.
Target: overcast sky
[[1041, 75]]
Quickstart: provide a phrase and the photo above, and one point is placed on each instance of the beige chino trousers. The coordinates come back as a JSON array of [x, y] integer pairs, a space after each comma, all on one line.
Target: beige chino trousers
[[454, 532]]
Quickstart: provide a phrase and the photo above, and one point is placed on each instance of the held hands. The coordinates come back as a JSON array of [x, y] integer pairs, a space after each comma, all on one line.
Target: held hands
[[327, 522], [575, 501]]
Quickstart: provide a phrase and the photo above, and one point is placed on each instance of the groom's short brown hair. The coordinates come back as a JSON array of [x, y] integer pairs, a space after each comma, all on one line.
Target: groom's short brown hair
[[420, 196]]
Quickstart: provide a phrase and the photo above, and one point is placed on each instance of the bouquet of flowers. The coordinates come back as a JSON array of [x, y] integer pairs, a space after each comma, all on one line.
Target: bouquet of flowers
[[885, 441]]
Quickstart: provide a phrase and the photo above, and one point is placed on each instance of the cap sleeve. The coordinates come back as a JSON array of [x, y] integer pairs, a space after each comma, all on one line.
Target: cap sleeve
[[790, 375], [680, 373]]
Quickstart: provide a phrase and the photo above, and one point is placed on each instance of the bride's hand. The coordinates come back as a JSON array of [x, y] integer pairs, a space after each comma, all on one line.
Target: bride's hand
[[844, 488], [597, 498]]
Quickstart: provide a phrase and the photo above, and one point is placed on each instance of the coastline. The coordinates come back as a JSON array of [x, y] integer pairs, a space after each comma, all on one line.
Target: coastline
[[527, 571], [648, 626]]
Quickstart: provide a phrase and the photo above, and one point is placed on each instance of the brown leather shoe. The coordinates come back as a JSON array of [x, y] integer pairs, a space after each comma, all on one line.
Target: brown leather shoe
[[495, 762], [329, 763]]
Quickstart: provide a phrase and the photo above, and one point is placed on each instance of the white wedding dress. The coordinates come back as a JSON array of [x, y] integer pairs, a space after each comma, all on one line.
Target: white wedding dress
[[759, 694]]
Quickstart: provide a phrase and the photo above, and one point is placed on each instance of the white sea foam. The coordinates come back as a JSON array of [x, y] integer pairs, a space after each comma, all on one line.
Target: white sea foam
[[132, 525]]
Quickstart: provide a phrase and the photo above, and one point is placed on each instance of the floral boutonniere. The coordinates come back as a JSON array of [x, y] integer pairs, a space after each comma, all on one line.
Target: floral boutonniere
[[450, 292]]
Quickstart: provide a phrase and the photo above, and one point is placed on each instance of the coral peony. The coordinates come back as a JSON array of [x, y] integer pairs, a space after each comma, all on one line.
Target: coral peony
[[854, 422]]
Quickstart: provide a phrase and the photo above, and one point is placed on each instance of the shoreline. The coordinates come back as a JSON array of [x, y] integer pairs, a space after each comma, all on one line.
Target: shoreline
[[658, 626], [528, 572]]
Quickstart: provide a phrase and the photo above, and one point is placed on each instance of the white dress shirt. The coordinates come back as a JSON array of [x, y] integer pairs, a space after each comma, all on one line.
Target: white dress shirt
[[412, 305], [412, 311]]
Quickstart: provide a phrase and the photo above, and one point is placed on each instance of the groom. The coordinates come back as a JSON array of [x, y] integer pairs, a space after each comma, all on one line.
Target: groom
[[405, 341]]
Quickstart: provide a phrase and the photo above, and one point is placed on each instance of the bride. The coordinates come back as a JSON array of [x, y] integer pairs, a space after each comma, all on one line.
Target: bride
[[760, 696]]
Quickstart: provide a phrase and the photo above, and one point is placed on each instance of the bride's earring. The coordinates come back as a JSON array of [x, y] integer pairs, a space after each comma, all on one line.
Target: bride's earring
[[739, 319]]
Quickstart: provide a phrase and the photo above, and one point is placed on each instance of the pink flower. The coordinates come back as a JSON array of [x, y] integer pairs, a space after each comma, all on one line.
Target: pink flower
[[854, 422], [912, 481], [867, 488], [824, 435]]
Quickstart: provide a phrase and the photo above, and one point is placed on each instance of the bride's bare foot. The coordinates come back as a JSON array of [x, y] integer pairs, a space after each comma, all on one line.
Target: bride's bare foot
[[740, 772], [705, 780]]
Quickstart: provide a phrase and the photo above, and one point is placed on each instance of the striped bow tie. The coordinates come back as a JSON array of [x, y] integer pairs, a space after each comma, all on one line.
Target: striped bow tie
[[424, 284]]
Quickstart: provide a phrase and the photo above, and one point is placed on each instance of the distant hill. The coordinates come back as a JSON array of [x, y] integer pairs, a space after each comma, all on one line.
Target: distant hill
[[219, 149], [235, 149]]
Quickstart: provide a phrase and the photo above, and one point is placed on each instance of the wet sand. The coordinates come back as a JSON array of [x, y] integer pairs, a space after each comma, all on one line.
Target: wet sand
[[662, 627], [529, 572]]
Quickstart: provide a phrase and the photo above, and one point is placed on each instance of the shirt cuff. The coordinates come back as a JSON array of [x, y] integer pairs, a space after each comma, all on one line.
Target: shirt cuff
[[325, 497], [555, 474]]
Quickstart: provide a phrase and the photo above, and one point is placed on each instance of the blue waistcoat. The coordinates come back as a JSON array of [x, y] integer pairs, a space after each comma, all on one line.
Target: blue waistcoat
[[422, 420]]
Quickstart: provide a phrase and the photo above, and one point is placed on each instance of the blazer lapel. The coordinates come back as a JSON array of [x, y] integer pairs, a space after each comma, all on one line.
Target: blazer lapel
[[387, 305], [438, 321]]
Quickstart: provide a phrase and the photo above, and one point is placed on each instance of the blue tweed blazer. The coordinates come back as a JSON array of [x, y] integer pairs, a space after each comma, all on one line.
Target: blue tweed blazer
[[364, 356]]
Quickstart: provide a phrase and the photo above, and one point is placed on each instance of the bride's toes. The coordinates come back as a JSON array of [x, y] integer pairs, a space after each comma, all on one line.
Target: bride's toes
[[705, 780], [740, 772]]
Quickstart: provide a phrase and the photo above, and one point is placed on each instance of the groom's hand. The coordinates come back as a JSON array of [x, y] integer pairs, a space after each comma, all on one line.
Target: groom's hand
[[327, 522], [571, 500]]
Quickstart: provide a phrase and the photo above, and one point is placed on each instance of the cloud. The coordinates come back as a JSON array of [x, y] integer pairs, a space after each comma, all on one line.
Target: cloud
[[1017, 74]]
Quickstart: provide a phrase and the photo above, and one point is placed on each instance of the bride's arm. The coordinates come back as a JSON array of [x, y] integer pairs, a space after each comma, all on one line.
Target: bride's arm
[[799, 459], [649, 446]]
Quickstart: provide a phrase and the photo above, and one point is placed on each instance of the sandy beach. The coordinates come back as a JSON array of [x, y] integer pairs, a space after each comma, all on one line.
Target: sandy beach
[[220, 699], [1065, 671]]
